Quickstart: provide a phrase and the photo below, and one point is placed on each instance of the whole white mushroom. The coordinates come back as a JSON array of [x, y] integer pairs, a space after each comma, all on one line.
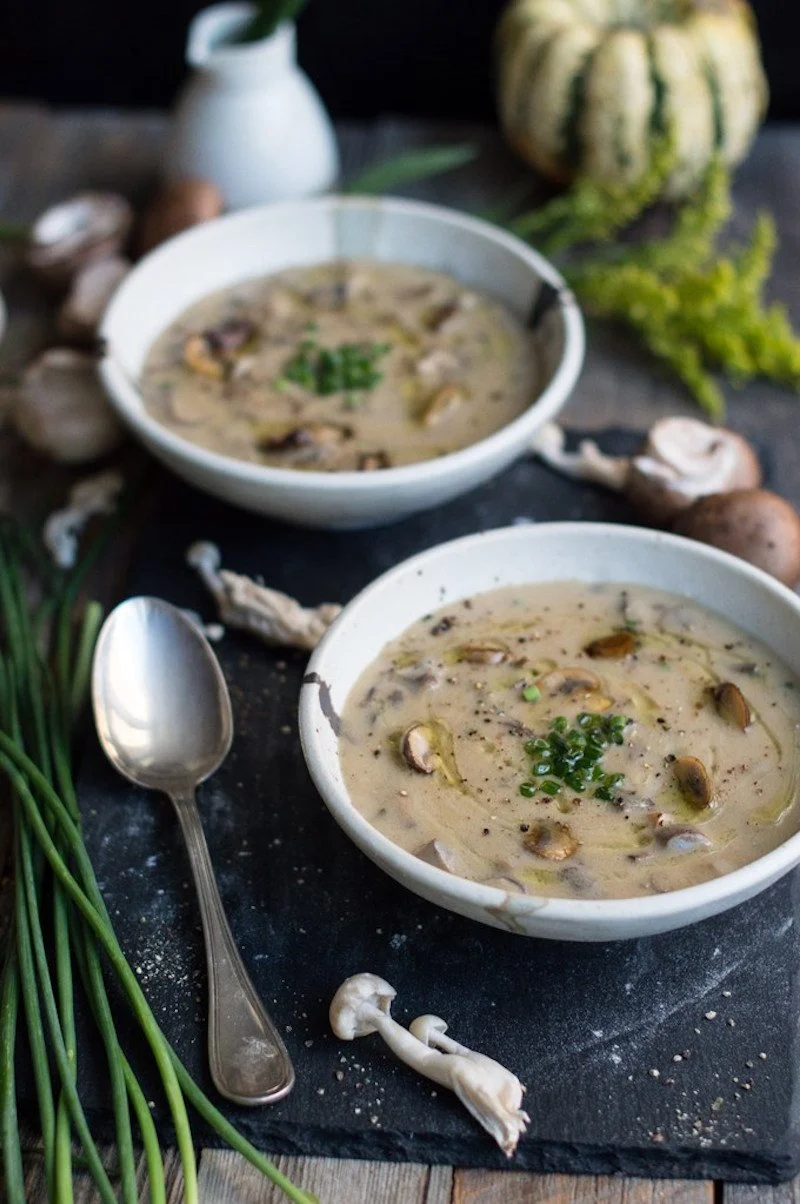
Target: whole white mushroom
[[61, 409]]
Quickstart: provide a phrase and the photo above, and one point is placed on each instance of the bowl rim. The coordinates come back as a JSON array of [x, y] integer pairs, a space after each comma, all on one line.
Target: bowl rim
[[126, 398], [447, 886]]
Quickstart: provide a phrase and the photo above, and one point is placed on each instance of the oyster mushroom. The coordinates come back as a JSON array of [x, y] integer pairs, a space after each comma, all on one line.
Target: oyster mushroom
[[268, 614], [489, 1092], [61, 409], [754, 524], [178, 206], [93, 496], [552, 840], [92, 288], [682, 459], [87, 227]]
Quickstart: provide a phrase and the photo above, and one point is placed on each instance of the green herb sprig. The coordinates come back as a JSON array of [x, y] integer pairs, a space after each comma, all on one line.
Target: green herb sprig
[[325, 370], [61, 930], [572, 756], [265, 20], [411, 167], [697, 309]]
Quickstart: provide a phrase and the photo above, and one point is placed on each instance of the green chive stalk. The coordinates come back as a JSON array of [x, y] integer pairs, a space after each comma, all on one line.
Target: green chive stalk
[[45, 666]]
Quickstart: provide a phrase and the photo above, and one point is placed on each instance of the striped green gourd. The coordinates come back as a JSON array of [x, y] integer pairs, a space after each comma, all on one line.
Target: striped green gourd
[[585, 85]]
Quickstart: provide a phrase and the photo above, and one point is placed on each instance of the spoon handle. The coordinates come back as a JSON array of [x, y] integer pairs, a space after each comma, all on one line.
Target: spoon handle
[[248, 1060]]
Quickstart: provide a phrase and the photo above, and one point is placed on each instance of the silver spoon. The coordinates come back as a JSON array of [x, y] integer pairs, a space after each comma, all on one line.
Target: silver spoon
[[163, 716]]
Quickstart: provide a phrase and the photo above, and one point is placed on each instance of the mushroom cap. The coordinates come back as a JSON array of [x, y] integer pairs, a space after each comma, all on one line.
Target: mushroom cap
[[178, 206], [423, 1026], [93, 286], [357, 997], [88, 226], [62, 409], [203, 554], [684, 459], [755, 524]]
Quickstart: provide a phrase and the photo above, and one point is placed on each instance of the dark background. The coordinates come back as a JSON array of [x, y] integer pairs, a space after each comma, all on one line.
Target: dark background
[[427, 57]]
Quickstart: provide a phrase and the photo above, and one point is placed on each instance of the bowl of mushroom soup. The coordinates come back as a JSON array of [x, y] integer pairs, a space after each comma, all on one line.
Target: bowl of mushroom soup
[[570, 730], [343, 361]]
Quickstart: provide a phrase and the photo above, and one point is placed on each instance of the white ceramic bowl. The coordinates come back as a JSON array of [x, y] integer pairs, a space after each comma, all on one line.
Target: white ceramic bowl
[[258, 241], [511, 556]]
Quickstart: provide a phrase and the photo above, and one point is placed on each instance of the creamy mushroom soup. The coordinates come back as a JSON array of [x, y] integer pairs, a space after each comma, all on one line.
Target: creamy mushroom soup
[[596, 741], [352, 365]]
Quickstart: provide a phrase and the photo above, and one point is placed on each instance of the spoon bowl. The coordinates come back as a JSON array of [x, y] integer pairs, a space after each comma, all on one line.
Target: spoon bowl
[[161, 703], [163, 715]]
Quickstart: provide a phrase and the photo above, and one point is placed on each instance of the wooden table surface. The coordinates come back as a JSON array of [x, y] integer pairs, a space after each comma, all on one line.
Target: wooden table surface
[[45, 156]]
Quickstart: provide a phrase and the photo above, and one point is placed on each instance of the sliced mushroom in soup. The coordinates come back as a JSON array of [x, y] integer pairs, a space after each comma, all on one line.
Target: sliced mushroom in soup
[[558, 742], [347, 366]]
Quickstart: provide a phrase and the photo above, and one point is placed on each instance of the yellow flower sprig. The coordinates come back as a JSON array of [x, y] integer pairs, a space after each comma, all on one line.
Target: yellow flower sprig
[[695, 308]]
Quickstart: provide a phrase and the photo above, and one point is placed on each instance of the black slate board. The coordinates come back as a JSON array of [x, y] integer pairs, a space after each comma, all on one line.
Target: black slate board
[[667, 1056]]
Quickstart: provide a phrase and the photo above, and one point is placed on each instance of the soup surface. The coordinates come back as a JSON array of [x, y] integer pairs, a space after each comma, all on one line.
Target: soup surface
[[578, 740], [353, 365]]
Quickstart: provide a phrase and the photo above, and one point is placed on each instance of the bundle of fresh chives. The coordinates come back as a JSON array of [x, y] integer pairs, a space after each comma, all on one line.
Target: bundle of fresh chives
[[60, 929]]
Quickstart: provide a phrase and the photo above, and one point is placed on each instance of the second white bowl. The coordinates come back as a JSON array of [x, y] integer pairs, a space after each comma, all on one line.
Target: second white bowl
[[513, 556], [269, 238]]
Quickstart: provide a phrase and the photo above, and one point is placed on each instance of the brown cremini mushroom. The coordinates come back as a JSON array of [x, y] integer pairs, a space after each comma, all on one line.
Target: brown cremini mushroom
[[437, 854], [87, 227], [180, 205], [90, 292], [754, 524], [551, 840], [417, 748], [373, 461], [311, 441], [682, 838], [612, 647], [443, 404], [731, 705], [62, 409], [684, 459], [569, 682], [488, 653], [694, 781]]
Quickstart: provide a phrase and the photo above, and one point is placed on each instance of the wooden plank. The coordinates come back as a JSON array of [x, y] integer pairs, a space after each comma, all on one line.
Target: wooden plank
[[225, 1178], [84, 1190], [506, 1187], [783, 1193]]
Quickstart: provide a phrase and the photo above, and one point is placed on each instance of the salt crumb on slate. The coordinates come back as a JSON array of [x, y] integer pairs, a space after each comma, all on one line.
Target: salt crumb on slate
[[710, 1015]]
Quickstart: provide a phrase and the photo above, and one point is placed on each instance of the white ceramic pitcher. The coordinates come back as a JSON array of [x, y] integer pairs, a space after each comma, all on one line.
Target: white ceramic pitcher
[[249, 119]]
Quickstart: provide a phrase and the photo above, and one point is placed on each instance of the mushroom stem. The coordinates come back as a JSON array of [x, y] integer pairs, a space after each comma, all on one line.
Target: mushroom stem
[[489, 1092], [272, 616], [588, 463], [92, 496]]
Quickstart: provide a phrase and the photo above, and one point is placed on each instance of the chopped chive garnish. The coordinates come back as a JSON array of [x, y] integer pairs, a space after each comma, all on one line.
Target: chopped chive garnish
[[326, 370], [572, 755]]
